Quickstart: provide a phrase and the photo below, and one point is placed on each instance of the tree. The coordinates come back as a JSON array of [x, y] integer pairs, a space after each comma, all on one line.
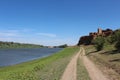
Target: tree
[[99, 43]]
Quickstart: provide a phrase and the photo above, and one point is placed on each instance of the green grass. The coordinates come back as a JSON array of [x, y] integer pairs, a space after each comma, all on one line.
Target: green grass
[[49, 68], [82, 73]]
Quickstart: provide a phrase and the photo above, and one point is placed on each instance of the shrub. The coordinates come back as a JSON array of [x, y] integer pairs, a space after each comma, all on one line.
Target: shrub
[[117, 38], [99, 43], [117, 35], [63, 46], [117, 45], [109, 40]]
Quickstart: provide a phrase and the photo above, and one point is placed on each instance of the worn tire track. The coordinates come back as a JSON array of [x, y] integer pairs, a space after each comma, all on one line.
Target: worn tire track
[[94, 72], [71, 69]]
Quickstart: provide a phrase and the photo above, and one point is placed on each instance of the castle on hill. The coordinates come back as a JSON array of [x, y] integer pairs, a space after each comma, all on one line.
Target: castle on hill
[[86, 40]]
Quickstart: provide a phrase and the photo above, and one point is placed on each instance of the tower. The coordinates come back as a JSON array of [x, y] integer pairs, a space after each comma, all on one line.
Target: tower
[[99, 31]]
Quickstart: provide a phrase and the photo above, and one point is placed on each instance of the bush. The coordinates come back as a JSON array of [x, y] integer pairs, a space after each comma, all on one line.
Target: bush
[[109, 40], [99, 43], [117, 45], [117, 35], [63, 46], [117, 38]]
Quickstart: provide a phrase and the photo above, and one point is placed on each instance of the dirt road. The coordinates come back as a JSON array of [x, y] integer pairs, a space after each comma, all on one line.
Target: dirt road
[[71, 69], [94, 72]]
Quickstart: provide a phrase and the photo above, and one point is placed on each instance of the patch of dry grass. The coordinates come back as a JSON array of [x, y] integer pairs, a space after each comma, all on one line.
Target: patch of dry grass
[[108, 60]]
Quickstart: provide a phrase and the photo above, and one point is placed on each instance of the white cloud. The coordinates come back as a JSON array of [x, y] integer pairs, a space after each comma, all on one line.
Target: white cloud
[[7, 34], [13, 33], [47, 34]]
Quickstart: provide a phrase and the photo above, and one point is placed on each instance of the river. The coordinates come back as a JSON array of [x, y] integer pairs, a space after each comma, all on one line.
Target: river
[[15, 56]]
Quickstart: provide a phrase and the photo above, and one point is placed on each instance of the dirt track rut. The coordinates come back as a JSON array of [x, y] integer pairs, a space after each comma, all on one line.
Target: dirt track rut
[[71, 69]]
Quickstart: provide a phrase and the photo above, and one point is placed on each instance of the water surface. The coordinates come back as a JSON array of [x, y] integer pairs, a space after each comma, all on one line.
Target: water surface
[[15, 56]]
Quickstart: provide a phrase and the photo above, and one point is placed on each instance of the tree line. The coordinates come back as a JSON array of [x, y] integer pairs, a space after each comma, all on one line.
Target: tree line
[[18, 45]]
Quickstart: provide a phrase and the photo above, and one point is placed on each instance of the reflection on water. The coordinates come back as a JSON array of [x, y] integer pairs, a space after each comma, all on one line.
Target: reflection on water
[[15, 56]]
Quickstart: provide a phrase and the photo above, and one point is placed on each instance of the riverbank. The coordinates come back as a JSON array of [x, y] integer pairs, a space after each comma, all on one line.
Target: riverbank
[[48, 68]]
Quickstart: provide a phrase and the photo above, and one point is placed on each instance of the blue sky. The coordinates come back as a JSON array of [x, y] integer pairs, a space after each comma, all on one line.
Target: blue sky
[[55, 22]]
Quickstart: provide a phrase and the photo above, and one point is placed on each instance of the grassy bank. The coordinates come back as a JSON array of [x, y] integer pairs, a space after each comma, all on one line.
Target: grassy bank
[[108, 60], [49, 68]]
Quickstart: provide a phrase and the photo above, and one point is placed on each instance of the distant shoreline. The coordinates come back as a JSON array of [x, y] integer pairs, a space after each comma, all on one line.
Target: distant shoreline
[[18, 45]]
